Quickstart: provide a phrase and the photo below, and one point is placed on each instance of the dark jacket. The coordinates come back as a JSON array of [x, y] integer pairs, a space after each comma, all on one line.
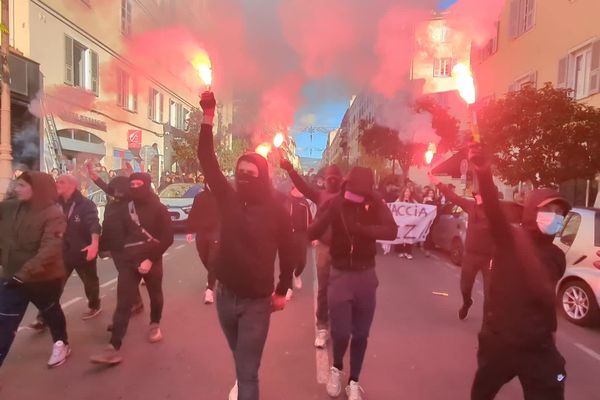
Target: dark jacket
[[82, 222], [252, 233], [299, 211], [31, 233], [204, 216], [355, 228], [114, 227], [526, 267]]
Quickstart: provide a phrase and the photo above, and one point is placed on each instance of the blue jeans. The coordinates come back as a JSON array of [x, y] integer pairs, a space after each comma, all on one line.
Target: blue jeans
[[13, 304], [245, 323]]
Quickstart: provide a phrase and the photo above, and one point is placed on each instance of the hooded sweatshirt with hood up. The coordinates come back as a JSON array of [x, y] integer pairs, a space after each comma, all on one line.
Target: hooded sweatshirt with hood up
[[31, 233], [526, 267], [255, 227], [355, 227]]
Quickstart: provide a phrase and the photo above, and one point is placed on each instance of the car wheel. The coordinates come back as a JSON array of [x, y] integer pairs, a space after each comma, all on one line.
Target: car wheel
[[456, 251], [578, 303]]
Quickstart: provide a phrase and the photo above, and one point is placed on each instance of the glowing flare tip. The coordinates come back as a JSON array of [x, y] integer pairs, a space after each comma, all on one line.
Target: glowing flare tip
[[278, 140], [201, 63], [431, 150], [464, 82], [263, 149]]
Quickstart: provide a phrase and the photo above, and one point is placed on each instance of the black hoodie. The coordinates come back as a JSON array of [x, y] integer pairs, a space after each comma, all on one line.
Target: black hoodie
[[526, 267], [254, 227]]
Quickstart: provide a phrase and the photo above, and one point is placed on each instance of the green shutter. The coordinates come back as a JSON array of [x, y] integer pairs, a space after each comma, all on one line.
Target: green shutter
[[68, 60]]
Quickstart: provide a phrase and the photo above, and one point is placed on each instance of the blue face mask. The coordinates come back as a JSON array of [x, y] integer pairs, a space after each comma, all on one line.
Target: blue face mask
[[550, 223]]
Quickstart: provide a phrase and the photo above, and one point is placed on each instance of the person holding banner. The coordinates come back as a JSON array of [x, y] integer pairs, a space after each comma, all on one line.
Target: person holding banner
[[404, 250], [357, 219]]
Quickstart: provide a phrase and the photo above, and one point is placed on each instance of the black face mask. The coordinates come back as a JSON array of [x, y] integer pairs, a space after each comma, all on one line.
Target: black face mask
[[332, 185], [138, 194], [248, 187]]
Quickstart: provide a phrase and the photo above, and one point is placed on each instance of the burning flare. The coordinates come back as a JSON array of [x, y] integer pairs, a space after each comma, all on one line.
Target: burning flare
[[278, 139], [201, 63], [263, 149], [431, 150], [465, 83]]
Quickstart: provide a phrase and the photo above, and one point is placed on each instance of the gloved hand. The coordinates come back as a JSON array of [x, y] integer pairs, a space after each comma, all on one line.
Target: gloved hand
[[285, 165], [208, 104], [13, 282]]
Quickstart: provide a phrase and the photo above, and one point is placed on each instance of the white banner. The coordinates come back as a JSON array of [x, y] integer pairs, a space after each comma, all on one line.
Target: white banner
[[414, 221]]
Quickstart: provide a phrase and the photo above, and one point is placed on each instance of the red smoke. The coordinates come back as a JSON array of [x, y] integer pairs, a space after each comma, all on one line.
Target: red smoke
[[476, 19]]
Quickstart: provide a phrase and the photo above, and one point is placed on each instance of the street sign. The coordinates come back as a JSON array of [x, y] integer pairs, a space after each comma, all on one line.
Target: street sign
[[134, 139]]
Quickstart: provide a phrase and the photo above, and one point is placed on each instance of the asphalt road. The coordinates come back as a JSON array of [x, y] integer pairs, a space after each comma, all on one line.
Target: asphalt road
[[418, 348]]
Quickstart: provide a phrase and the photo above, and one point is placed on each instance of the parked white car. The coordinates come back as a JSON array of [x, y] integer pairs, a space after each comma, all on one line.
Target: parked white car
[[579, 288], [179, 197]]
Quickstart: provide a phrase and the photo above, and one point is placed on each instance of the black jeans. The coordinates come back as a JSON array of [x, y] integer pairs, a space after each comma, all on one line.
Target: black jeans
[[299, 242], [13, 304], [128, 293], [207, 250], [245, 323], [471, 265], [540, 368], [352, 301], [323, 271], [88, 273]]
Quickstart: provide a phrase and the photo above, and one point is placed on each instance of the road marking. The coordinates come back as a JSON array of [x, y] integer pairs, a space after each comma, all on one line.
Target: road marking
[[108, 283], [181, 246], [321, 355], [70, 302], [588, 351]]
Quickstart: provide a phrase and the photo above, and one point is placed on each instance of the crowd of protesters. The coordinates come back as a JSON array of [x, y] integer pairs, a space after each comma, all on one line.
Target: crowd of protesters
[[244, 230]]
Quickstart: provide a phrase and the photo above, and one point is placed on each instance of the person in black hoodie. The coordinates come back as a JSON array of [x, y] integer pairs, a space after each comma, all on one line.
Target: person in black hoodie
[[517, 338], [148, 234], [357, 218], [254, 228], [204, 222]]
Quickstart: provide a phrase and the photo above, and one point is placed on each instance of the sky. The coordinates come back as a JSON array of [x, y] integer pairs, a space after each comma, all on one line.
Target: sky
[[324, 114]]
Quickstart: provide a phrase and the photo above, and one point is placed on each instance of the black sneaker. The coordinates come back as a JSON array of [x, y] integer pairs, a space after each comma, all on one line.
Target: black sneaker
[[464, 310]]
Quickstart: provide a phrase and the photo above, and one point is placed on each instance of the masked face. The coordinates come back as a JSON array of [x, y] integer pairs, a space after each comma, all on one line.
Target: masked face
[[246, 181], [332, 184], [137, 189], [353, 197], [550, 223]]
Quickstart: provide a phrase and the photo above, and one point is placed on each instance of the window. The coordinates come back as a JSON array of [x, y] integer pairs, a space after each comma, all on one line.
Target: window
[[525, 80], [522, 17], [126, 91], [126, 17], [569, 232], [442, 67], [580, 71], [155, 105], [81, 66], [178, 115]]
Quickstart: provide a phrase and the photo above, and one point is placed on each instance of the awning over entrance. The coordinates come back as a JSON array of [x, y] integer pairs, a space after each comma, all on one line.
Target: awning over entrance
[[451, 166]]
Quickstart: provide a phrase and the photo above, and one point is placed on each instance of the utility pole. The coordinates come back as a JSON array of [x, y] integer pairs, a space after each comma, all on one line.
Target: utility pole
[[5, 134]]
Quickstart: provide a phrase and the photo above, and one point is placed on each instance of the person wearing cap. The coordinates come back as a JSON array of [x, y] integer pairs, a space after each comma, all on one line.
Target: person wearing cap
[[357, 218], [333, 180], [517, 337], [11, 192], [255, 228]]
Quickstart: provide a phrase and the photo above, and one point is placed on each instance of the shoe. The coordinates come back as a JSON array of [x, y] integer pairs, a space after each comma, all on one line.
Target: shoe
[[464, 310], [209, 296], [289, 294], [321, 339], [233, 393], [408, 256], [37, 326], [354, 391], [137, 309], [110, 356], [155, 333], [91, 313], [297, 282], [60, 352], [334, 383], [401, 255]]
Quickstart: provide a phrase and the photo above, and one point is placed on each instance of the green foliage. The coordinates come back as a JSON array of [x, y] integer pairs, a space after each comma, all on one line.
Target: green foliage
[[541, 135]]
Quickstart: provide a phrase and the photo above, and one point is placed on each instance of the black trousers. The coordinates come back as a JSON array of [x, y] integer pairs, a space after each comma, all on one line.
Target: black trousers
[[540, 368], [128, 294], [473, 264], [299, 242], [88, 273], [207, 250]]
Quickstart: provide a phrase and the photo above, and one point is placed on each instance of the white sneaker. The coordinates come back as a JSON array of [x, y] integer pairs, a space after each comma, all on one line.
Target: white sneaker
[[289, 294], [401, 255], [334, 383], [297, 282], [233, 393], [409, 256], [60, 352], [354, 391], [209, 297], [321, 339]]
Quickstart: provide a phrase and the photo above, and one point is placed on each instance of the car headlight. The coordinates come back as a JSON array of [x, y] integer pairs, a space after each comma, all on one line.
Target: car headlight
[[187, 209]]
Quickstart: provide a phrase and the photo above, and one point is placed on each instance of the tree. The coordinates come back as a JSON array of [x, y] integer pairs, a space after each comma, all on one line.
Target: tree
[[541, 135]]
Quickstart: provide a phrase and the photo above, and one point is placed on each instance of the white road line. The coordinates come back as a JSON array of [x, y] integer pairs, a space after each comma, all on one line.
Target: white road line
[[70, 302], [108, 283], [588, 351], [181, 246], [321, 355]]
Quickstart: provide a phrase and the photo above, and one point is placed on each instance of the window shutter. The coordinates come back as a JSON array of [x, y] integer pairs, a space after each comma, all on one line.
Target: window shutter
[[563, 73], [515, 11], [133, 94], [595, 69], [95, 72], [151, 111], [529, 17], [161, 101], [68, 60], [120, 88]]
